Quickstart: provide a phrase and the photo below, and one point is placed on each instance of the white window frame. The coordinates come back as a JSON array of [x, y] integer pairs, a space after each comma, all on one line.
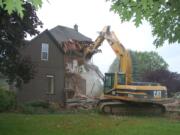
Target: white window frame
[[44, 49], [52, 83]]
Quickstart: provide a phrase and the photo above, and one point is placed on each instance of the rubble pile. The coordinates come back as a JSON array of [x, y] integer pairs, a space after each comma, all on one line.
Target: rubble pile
[[174, 106], [81, 103], [83, 80]]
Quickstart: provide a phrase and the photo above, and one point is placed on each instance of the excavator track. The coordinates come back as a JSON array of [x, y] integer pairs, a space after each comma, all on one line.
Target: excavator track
[[130, 108]]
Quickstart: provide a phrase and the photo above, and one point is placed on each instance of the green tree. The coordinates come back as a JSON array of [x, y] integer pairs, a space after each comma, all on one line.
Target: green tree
[[13, 31], [163, 15], [146, 62], [17, 5], [142, 62]]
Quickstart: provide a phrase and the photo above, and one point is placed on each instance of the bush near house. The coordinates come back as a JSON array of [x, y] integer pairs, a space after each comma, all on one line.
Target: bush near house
[[8, 103], [39, 107], [7, 100]]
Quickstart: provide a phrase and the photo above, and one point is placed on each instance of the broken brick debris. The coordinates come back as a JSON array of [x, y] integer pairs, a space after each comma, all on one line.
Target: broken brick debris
[[77, 68]]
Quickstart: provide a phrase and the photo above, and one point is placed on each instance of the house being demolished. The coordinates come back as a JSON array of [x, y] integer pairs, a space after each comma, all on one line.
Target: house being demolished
[[62, 72], [82, 78]]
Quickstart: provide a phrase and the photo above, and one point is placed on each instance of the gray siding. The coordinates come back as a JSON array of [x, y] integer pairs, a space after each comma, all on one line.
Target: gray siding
[[37, 88]]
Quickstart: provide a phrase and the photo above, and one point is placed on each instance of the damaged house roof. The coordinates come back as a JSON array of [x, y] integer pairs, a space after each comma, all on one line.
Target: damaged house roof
[[69, 39], [62, 34]]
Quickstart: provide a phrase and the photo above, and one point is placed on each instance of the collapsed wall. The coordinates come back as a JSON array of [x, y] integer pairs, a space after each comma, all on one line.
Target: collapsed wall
[[94, 79], [82, 78]]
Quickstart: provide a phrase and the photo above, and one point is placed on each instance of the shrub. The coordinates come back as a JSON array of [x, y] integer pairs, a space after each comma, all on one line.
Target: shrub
[[7, 100], [39, 107], [42, 104], [54, 108], [26, 109]]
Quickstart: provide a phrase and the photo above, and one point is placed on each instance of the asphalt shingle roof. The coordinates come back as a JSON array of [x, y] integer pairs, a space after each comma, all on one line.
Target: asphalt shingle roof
[[61, 34]]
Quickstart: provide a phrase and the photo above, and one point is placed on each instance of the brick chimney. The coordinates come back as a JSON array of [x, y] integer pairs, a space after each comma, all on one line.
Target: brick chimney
[[76, 27]]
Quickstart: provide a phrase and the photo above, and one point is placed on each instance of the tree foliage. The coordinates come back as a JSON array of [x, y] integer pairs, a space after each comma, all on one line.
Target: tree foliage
[[141, 63], [17, 5], [163, 15], [169, 79], [146, 61], [13, 30]]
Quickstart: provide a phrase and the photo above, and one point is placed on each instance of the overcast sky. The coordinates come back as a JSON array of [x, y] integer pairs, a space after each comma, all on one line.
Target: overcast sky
[[91, 16]]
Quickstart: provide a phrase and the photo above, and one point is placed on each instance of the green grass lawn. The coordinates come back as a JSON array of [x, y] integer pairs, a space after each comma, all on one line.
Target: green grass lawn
[[86, 124]]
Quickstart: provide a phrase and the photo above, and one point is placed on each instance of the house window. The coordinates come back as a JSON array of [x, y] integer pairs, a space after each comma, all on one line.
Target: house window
[[50, 82], [44, 51]]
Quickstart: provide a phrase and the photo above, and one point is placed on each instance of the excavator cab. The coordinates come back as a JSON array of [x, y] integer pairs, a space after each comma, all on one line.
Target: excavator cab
[[113, 79], [109, 81]]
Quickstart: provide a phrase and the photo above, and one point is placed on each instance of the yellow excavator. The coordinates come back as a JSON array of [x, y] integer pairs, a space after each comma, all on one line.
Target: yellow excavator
[[121, 95]]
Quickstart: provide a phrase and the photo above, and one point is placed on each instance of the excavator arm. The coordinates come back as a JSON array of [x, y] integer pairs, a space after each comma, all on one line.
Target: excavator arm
[[93, 48], [117, 47], [122, 54]]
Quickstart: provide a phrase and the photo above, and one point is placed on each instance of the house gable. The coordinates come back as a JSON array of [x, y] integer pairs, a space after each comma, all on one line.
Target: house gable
[[33, 49], [37, 88]]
